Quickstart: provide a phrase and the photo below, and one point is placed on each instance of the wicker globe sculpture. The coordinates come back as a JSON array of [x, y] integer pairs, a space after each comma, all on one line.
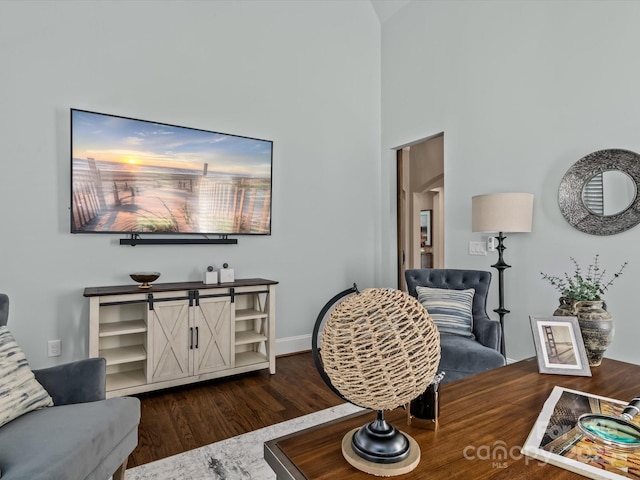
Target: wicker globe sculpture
[[379, 349]]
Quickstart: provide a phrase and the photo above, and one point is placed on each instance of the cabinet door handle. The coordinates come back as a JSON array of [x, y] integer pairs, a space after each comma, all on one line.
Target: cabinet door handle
[[197, 336], [190, 338]]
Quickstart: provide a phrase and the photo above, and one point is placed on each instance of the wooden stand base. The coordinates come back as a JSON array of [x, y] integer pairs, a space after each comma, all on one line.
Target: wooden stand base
[[381, 469]]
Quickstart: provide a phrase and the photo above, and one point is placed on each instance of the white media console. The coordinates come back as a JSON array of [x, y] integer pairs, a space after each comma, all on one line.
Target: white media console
[[178, 333]]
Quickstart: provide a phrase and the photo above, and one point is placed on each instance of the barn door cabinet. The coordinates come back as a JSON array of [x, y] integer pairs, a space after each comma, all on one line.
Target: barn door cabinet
[[178, 333]]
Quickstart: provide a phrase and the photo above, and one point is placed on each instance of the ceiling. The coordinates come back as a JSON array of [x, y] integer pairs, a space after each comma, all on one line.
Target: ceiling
[[385, 9]]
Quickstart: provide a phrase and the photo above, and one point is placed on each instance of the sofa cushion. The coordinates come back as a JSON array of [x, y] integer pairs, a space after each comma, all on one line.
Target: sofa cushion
[[451, 310], [78, 437], [19, 390]]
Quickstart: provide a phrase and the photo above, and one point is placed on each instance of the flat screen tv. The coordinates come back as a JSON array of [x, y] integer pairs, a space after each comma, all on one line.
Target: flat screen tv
[[134, 177]]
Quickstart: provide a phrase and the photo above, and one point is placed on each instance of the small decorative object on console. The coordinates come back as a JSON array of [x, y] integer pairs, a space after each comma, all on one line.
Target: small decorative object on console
[[145, 278], [210, 276], [226, 274]]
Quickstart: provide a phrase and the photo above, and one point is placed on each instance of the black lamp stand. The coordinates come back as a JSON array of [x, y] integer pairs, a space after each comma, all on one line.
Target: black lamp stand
[[501, 266]]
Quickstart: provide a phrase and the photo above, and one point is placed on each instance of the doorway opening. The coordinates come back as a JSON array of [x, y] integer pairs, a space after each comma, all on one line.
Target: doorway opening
[[420, 205]]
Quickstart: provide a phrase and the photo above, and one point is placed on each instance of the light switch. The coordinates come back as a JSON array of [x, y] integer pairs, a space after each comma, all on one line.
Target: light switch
[[477, 248]]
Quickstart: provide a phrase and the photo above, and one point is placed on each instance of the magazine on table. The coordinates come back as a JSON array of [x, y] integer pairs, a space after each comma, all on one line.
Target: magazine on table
[[556, 439]]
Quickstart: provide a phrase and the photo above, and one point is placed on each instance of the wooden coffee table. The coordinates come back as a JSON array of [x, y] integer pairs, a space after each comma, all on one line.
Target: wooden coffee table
[[479, 415]]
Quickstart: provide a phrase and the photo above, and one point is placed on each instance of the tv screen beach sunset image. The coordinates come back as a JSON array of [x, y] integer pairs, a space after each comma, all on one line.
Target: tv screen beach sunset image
[[135, 176]]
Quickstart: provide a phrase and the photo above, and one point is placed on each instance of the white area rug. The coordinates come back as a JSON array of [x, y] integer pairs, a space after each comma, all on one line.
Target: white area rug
[[237, 458]]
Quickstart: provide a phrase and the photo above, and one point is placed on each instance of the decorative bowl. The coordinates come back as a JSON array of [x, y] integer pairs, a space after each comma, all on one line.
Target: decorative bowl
[[145, 278]]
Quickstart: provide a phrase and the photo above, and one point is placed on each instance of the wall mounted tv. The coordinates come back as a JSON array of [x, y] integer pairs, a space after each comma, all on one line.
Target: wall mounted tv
[[135, 177]]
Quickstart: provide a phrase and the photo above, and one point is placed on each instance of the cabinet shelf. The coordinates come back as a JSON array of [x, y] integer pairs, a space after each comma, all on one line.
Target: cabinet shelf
[[120, 380], [250, 358], [116, 356], [122, 328], [249, 314], [250, 336]]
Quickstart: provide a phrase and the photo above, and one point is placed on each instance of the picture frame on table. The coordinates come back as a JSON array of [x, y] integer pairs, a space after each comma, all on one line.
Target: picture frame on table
[[559, 346]]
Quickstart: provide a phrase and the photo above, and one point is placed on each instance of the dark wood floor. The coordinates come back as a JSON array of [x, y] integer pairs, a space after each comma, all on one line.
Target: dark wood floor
[[180, 419]]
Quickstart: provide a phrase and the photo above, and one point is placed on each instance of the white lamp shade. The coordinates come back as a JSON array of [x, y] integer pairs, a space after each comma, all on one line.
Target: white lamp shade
[[502, 212]]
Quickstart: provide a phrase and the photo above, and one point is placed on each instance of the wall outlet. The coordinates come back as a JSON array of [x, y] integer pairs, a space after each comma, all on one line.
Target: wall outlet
[[53, 348]]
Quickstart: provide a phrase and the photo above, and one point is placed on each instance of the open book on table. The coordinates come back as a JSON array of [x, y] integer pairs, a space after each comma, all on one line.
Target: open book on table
[[555, 437]]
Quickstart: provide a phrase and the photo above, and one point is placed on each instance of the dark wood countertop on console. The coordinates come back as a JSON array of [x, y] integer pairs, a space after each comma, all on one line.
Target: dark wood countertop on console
[[170, 287]]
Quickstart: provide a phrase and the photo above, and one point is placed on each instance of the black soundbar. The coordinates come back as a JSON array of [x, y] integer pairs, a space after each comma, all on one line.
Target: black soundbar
[[178, 241]]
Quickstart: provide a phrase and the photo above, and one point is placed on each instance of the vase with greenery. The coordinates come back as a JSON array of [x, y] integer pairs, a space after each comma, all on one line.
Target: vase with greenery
[[577, 286], [582, 297]]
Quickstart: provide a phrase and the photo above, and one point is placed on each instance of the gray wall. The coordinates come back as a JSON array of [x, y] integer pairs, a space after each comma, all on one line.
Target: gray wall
[[521, 90], [303, 74]]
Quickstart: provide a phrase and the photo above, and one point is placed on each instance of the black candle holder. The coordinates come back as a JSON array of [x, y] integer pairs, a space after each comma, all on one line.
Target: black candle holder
[[426, 406]]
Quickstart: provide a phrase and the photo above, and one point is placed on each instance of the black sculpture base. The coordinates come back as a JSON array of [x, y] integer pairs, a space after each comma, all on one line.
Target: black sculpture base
[[380, 442]]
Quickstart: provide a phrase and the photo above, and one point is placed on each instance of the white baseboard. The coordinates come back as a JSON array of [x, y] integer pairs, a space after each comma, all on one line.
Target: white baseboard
[[285, 346], [302, 343]]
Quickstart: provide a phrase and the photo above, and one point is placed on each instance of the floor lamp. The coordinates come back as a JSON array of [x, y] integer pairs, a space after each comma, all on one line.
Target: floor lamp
[[502, 213]]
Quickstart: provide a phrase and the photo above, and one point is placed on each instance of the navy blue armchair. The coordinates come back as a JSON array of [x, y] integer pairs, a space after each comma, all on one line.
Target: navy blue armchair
[[464, 356]]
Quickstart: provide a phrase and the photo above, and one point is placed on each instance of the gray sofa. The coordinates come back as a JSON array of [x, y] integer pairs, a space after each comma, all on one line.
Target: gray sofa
[[462, 356], [82, 437]]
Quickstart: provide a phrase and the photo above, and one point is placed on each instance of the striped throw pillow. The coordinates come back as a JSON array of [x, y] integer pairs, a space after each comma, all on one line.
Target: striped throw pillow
[[20, 392], [451, 310]]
